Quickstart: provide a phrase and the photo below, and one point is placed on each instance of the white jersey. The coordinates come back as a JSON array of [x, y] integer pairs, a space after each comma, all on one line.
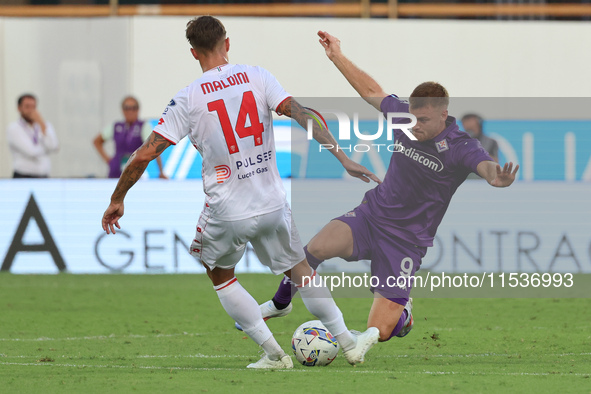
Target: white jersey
[[227, 116]]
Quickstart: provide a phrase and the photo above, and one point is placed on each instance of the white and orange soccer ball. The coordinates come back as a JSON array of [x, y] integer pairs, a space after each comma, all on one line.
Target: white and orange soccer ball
[[313, 345]]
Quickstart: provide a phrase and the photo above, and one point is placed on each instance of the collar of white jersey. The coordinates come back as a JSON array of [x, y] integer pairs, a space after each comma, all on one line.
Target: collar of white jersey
[[217, 69]]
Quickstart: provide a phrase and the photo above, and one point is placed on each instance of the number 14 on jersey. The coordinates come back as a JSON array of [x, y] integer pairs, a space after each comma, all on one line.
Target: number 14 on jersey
[[248, 107]]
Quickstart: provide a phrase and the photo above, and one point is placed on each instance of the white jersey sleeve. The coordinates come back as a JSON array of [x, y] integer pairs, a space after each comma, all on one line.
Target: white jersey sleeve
[[274, 92], [175, 123]]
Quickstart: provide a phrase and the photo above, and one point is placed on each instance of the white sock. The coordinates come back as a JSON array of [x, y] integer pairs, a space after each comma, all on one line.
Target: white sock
[[319, 302], [245, 310], [346, 340], [272, 349]]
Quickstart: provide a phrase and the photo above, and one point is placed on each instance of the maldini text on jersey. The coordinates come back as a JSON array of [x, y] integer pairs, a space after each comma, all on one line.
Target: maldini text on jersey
[[234, 79]]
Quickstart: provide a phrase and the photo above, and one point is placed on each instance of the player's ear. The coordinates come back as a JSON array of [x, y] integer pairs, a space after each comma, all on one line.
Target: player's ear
[[227, 43], [194, 53]]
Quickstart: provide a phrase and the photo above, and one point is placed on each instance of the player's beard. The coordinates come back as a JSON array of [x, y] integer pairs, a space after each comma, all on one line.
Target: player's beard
[[420, 136]]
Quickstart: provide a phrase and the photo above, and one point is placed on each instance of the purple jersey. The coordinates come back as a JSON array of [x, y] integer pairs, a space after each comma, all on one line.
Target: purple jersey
[[421, 179], [127, 138]]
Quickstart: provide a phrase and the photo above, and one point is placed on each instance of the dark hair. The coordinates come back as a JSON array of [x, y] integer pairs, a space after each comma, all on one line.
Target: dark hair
[[137, 103], [205, 32], [25, 96], [474, 116], [429, 94]]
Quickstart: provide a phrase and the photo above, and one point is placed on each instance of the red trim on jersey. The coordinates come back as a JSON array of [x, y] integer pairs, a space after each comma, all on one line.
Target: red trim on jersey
[[200, 235], [154, 131], [280, 105], [228, 284], [309, 279]]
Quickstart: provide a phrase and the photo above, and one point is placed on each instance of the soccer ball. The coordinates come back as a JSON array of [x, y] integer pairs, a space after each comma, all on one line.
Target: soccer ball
[[314, 345]]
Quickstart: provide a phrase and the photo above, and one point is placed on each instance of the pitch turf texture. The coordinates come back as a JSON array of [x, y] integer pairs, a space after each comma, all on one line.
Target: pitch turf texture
[[168, 333]]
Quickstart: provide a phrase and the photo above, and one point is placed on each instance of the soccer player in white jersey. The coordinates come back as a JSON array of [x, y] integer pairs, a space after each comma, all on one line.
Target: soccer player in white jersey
[[226, 114]]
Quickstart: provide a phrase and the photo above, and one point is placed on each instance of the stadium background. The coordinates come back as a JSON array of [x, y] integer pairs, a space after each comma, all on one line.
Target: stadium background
[[80, 68]]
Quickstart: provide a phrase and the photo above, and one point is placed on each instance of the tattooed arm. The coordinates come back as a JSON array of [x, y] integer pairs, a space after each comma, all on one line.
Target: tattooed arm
[[290, 107], [151, 149]]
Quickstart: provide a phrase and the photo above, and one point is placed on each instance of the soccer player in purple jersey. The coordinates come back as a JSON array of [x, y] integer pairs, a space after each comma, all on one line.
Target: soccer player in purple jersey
[[397, 220]]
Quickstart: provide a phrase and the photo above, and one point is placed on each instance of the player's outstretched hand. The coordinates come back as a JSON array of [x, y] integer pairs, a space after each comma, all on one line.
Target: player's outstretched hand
[[331, 44], [505, 176], [358, 171], [111, 217]]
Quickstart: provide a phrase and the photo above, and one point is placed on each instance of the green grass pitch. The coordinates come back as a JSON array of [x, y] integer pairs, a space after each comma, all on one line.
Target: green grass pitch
[[169, 333]]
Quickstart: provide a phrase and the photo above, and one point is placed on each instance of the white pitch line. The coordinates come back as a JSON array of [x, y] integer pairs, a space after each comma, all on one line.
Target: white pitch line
[[112, 336], [200, 355], [135, 336], [479, 355], [499, 328], [300, 370], [134, 357]]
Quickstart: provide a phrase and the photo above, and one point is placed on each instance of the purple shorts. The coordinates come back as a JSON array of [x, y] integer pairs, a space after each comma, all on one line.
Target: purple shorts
[[393, 260]]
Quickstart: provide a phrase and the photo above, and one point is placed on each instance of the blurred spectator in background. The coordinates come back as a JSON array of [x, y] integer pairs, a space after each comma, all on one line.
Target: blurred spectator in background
[[128, 135], [31, 139], [473, 125]]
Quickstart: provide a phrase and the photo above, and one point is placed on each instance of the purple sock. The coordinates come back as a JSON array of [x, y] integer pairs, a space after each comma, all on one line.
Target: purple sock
[[400, 324], [286, 290], [284, 293], [403, 316]]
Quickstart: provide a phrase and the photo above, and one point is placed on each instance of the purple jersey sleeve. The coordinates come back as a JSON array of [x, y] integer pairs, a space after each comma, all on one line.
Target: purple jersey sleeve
[[392, 103], [470, 154]]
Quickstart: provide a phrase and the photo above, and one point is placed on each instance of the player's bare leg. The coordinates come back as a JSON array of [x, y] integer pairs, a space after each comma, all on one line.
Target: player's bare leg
[[218, 275], [386, 315], [244, 309], [334, 240]]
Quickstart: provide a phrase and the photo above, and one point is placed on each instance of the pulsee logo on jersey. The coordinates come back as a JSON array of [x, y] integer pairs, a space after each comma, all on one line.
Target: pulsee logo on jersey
[[247, 162], [222, 172], [344, 134]]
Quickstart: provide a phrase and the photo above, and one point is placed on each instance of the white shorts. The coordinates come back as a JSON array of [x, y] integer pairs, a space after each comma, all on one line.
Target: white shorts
[[273, 235]]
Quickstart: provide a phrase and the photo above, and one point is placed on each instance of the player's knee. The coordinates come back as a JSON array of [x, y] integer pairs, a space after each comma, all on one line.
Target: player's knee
[[318, 249], [313, 248]]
